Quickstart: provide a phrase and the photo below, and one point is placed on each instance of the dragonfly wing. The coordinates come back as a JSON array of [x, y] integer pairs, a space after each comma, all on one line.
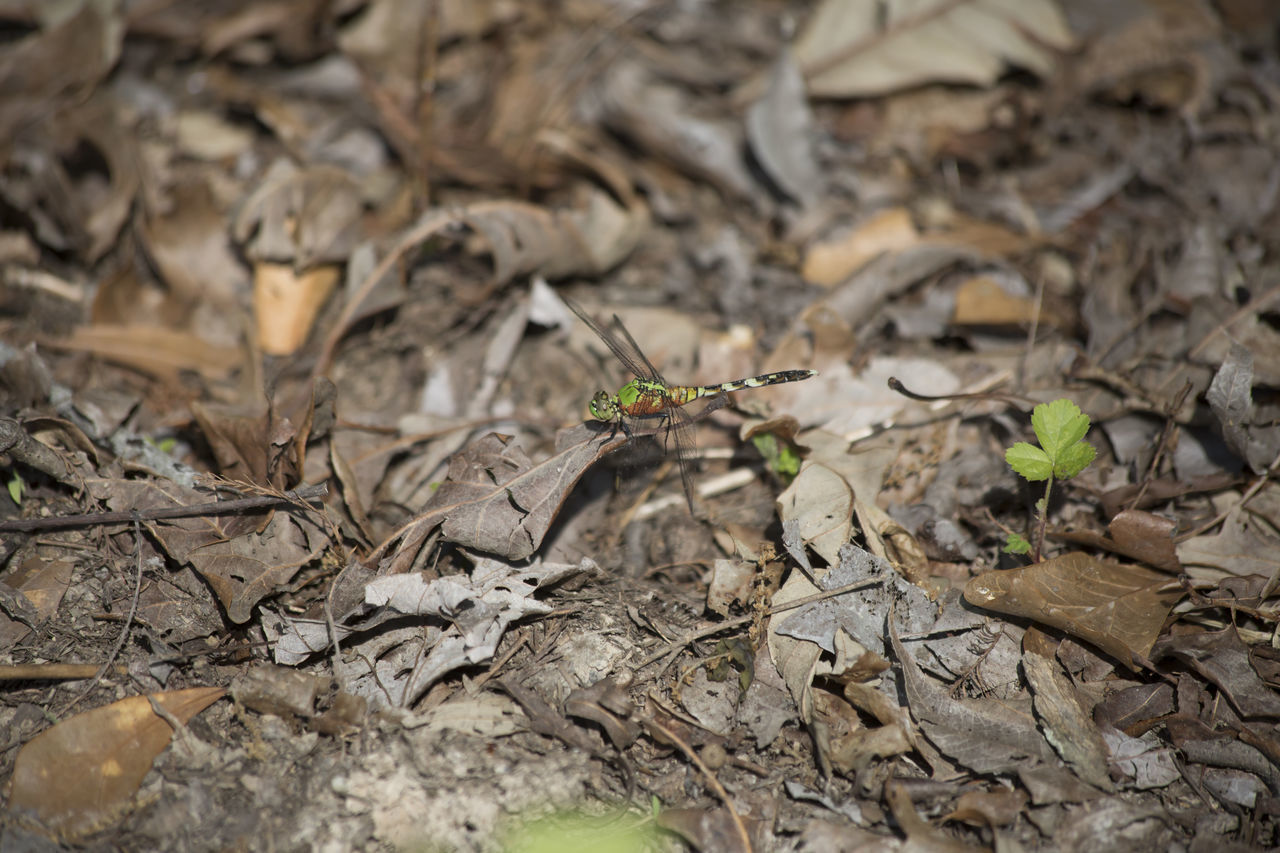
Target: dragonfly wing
[[680, 427], [650, 372], [624, 348]]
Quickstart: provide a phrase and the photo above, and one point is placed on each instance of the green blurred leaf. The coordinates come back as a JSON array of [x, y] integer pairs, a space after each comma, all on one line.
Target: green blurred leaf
[[580, 833], [1016, 544], [780, 456]]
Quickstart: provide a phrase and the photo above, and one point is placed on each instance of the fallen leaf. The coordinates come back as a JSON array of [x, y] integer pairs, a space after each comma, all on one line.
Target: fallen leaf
[[81, 774], [852, 49], [1118, 608]]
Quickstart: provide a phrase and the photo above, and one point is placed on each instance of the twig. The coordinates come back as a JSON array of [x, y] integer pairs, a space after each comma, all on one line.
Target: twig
[[712, 781], [128, 622], [305, 494]]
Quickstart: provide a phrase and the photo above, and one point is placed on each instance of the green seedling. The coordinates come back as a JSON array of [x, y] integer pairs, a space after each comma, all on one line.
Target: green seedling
[[16, 488], [1060, 428]]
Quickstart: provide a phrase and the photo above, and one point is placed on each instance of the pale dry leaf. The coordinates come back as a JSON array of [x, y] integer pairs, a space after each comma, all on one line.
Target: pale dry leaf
[[821, 501], [780, 131], [848, 48], [160, 351], [831, 262], [286, 303]]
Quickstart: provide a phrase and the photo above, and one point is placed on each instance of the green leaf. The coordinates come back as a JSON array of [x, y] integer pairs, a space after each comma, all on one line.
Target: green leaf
[[1029, 461], [1074, 459], [16, 488], [1061, 427], [780, 456], [1016, 544]]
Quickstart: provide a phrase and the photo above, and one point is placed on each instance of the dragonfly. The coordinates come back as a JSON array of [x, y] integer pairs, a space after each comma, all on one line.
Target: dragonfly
[[651, 396]]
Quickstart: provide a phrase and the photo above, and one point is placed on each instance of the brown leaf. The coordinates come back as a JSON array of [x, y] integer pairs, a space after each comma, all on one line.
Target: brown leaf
[[286, 303], [35, 71], [1223, 659], [1147, 537], [494, 499], [1067, 725], [240, 564], [986, 735], [190, 248], [1120, 609], [159, 351], [252, 442], [994, 808], [921, 835], [82, 773], [301, 216]]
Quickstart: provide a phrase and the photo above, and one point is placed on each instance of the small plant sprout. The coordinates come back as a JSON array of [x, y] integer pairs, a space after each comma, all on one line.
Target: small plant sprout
[[1060, 428]]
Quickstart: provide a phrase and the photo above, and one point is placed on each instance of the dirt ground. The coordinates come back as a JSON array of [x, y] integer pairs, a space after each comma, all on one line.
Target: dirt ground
[[315, 538]]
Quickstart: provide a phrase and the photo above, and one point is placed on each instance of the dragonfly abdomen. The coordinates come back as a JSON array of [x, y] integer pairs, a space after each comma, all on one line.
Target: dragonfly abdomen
[[688, 394]]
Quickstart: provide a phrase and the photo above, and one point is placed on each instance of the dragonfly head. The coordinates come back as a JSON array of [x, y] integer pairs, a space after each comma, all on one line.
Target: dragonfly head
[[603, 407]]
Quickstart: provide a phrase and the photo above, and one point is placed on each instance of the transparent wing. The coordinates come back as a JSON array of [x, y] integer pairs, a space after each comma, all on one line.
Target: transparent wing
[[621, 344]]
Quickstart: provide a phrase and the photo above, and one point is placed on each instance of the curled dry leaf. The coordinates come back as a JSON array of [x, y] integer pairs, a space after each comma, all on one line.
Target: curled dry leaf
[[1067, 725], [495, 500], [849, 48], [1147, 537], [82, 773], [822, 502], [301, 216], [1118, 608]]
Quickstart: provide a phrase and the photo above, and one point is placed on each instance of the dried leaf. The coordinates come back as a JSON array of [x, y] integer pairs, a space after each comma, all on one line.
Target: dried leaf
[[301, 216], [1120, 609], [1244, 546], [82, 773], [1223, 659], [821, 502], [1067, 726], [1231, 398], [661, 120], [831, 262], [1146, 536], [848, 48], [159, 351], [286, 303], [780, 130], [495, 500], [986, 735]]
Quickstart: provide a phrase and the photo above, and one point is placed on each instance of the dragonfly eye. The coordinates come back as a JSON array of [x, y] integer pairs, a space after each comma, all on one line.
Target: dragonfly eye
[[601, 406]]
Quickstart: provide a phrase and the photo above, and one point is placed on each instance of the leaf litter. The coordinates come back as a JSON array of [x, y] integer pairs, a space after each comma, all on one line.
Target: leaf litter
[[282, 244]]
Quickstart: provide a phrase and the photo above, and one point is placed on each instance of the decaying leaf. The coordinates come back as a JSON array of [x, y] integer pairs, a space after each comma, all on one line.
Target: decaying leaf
[[986, 735], [1067, 726], [1231, 398], [850, 49], [1120, 609], [495, 500], [81, 774], [240, 563]]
